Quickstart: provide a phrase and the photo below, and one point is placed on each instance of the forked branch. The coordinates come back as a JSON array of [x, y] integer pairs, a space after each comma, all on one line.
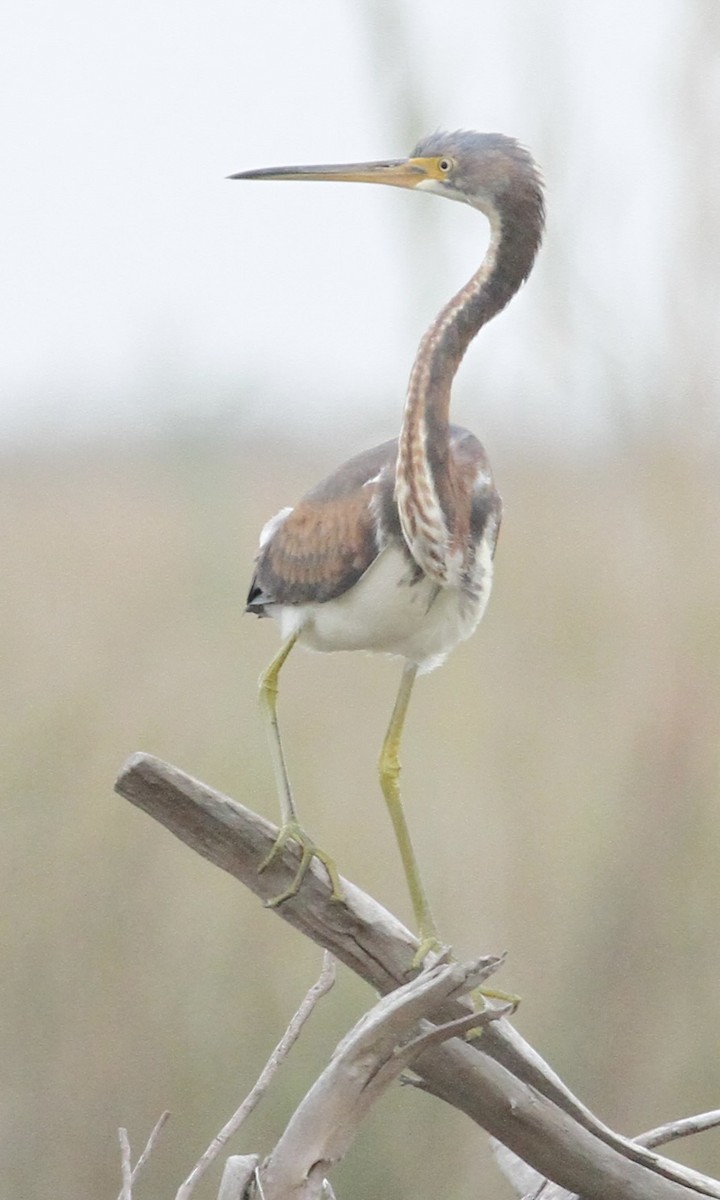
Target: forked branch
[[367, 1061], [499, 1081], [130, 1173]]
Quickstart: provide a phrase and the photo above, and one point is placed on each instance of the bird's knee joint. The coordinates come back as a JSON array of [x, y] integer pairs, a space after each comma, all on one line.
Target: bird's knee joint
[[268, 689], [389, 769]]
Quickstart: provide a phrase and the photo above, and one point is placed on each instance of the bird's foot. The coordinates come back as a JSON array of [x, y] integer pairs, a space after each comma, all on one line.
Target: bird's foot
[[478, 997], [294, 832], [430, 946]]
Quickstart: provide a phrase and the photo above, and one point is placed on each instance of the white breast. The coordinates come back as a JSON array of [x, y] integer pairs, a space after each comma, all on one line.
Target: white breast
[[386, 612]]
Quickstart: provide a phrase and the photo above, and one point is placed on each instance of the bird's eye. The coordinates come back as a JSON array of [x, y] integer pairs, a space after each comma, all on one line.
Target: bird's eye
[[444, 165]]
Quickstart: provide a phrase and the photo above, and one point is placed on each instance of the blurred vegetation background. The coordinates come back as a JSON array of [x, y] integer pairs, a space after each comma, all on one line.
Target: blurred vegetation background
[[561, 772], [561, 777]]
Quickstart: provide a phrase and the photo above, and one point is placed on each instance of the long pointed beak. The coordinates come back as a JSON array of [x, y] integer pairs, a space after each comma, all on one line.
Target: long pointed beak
[[401, 172]]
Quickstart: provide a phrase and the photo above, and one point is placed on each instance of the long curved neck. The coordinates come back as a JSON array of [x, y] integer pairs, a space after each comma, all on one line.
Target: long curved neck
[[431, 514]]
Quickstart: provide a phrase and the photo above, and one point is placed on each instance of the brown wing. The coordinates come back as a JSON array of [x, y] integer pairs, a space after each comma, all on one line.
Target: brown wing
[[329, 539]]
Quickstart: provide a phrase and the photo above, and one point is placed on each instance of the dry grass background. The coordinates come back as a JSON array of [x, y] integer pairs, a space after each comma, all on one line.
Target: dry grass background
[[561, 776]]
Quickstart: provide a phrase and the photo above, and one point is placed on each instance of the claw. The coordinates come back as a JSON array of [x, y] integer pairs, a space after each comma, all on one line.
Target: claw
[[479, 996], [293, 832], [508, 998], [430, 944]]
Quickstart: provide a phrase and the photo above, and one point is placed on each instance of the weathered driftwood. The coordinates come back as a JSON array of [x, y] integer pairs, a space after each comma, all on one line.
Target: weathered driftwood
[[368, 1060], [499, 1080], [530, 1185], [239, 1170]]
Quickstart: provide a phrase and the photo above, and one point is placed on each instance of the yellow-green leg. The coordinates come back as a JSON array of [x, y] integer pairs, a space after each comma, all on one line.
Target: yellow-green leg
[[389, 767], [390, 783], [290, 827]]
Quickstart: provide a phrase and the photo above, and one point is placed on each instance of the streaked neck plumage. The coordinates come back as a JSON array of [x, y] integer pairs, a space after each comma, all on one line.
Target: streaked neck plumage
[[427, 487]]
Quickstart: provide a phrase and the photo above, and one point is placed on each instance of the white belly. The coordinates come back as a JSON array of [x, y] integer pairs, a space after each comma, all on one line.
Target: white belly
[[385, 612]]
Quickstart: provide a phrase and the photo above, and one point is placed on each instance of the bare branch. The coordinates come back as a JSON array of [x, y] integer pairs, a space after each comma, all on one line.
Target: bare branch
[[530, 1185], [362, 934], [363, 1066], [500, 1081], [125, 1166], [239, 1170], [322, 985], [679, 1129], [458, 1028], [126, 1190]]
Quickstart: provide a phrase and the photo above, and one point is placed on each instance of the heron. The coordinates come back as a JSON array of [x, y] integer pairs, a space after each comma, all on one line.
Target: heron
[[393, 552]]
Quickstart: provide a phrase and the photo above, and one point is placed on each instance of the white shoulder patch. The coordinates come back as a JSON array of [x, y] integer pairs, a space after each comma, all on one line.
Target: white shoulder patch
[[274, 523], [483, 480]]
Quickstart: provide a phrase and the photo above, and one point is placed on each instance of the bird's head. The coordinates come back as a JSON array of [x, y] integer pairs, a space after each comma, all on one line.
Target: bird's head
[[480, 169]]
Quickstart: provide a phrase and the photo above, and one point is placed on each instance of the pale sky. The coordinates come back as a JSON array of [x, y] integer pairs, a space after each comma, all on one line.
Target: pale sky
[[134, 275]]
